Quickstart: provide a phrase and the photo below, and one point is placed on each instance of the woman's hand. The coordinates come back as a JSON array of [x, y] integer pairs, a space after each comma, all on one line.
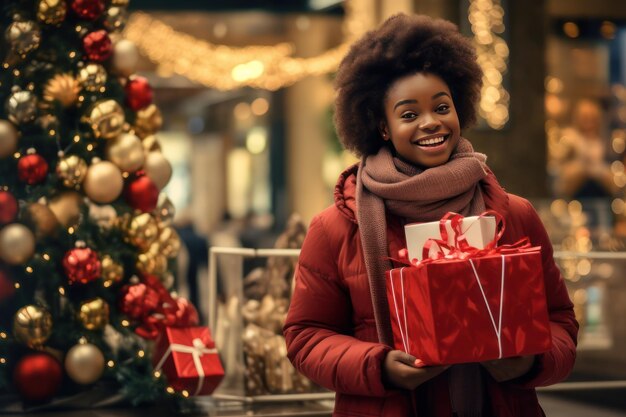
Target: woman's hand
[[509, 368], [405, 371]]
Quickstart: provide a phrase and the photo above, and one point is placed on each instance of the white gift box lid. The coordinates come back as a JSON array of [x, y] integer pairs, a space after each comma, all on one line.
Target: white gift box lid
[[479, 231]]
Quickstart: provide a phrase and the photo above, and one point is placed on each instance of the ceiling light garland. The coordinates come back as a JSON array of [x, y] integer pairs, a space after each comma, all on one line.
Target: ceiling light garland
[[227, 68], [487, 23], [273, 67]]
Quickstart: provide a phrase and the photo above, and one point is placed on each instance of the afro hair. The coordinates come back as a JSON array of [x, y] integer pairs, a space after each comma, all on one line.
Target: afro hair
[[401, 46]]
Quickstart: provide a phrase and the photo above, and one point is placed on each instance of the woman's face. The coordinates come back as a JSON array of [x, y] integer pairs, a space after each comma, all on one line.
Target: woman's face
[[421, 121]]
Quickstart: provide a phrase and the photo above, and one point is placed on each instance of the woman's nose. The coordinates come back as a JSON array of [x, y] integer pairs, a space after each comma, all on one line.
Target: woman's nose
[[429, 122]]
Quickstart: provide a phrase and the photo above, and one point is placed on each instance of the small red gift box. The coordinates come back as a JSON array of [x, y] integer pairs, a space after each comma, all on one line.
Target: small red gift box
[[189, 360], [469, 307]]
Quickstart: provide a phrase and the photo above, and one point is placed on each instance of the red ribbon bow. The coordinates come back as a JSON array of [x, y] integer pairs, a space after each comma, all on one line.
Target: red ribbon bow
[[461, 249]]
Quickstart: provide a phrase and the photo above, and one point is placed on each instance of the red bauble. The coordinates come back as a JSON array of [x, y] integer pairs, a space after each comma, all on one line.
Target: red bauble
[[98, 45], [32, 169], [8, 207], [138, 300], [138, 93], [141, 193], [81, 265], [186, 313], [7, 286], [37, 377], [88, 9]]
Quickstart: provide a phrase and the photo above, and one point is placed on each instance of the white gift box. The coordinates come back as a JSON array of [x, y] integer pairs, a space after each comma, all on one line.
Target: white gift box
[[479, 231]]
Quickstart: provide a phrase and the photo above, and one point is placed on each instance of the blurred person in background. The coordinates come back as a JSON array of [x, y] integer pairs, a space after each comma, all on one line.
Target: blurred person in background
[[583, 172]]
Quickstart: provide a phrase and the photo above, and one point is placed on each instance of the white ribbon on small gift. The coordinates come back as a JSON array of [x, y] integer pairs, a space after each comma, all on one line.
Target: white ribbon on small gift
[[197, 350], [404, 333]]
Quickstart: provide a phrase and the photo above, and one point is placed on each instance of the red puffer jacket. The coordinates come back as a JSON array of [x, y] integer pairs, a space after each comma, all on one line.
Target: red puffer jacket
[[331, 332]]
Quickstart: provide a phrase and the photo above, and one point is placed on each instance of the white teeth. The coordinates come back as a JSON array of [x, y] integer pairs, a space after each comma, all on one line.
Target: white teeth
[[432, 141]]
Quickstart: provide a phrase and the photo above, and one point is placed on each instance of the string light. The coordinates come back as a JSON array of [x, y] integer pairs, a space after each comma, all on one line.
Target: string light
[[46, 256], [141, 353], [125, 323], [3, 361], [90, 147], [157, 374], [29, 269], [110, 364], [3, 335], [70, 230], [185, 393], [228, 68], [17, 285], [170, 390], [487, 22], [61, 290]]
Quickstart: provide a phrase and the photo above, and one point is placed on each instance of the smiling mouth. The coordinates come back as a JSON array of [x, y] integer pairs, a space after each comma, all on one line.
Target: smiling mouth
[[432, 141]]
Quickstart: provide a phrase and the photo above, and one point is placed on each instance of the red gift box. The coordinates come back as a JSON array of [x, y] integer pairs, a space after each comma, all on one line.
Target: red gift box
[[471, 307], [189, 360]]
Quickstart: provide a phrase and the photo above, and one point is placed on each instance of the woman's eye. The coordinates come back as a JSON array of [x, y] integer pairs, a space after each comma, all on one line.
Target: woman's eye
[[409, 115], [443, 108]]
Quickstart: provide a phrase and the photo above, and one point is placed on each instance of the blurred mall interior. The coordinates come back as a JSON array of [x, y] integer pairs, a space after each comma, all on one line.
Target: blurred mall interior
[[253, 144]]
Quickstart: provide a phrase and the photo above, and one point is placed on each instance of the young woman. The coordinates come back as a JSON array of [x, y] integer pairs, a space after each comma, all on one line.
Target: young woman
[[405, 92]]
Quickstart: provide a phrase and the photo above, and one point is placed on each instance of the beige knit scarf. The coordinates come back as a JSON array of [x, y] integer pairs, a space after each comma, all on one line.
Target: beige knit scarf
[[386, 183]]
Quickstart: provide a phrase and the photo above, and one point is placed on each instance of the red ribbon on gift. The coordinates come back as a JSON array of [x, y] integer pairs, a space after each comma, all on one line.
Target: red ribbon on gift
[[461, 249]]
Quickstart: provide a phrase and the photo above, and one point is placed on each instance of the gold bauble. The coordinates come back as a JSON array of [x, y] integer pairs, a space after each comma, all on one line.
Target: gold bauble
[[169, 242], [23, 36], [142, 231], [92, 77], [126, 152], [158, 169], [106, 119], [103, 182], [84, 363], [151, 263], [104, 216], [22, 107], [8, 138], [165, 211], [41, 219], [151, 143], [115, 19], [112, 272], [62, 87], [17, 244], [66, 207], [32, 325], [51, 12], [125, 57], [72, 170], [148, 121], [94, 314]]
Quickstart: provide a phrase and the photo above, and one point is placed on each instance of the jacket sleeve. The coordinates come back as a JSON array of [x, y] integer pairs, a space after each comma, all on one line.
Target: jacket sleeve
[[553, 366], [319, 324]]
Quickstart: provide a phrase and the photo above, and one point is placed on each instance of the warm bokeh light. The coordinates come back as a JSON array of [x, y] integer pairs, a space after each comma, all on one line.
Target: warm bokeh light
[[487, 22], [571, 29], [260, 106]]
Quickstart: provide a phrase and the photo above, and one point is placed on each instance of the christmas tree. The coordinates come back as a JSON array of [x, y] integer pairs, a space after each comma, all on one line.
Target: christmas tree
[[86, 242]]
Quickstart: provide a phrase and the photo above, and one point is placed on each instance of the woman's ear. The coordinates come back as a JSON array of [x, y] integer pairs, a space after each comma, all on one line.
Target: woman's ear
[[384, 130]]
